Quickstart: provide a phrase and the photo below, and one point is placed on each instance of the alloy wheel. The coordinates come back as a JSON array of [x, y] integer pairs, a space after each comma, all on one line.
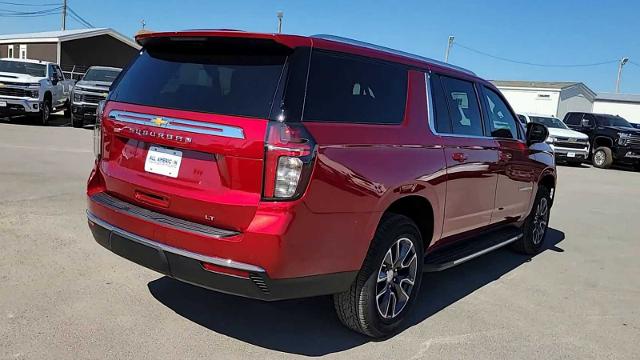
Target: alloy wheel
[[396, 278], [599, 158], [540, 221]]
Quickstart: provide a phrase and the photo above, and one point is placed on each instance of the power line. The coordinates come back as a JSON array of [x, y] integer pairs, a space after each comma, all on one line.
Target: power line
[[23, 4], [79, 18], [44, 12], [14, 13], [28, 16], [79, 21], [531, 63]]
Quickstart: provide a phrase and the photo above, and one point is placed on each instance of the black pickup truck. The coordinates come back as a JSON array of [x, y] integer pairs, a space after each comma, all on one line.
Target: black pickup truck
[[613, 139]]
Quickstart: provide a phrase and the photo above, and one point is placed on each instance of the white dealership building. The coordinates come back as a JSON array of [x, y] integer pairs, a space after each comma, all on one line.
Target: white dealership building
[[557, 98]]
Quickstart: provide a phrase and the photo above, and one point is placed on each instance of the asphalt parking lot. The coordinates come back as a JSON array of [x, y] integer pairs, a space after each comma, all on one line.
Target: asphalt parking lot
[[63, 296]]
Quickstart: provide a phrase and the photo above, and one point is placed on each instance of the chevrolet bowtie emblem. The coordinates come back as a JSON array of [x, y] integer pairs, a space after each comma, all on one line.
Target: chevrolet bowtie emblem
[[159, 121]]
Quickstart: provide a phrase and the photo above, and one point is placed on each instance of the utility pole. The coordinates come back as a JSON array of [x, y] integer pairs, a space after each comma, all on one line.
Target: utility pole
[[620, 65], [449, 44], [279, 14], [64, 15]]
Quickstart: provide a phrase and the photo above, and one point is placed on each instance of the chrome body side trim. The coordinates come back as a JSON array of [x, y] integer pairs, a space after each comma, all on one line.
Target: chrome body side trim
[[197, 127], [484, 251], [367, 45], [163, 247]]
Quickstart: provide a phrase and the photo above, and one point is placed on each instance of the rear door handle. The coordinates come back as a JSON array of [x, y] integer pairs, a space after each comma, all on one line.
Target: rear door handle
[[459, 157]]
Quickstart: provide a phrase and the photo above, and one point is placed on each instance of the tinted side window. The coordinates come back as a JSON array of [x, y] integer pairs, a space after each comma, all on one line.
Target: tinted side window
[[59, 72], [441, 121], [591, 119], [501, 122], [573, 118], [345, 88], [463, 107], [522, 119]]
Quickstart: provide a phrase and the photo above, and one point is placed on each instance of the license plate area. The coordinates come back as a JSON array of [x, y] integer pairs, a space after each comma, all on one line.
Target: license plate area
[[571, 154], [163, 161], [3, 104]]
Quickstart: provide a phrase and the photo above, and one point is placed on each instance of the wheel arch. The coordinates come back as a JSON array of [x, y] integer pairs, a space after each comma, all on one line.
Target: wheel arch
[[548, 180], [599, 141], [420, 210]]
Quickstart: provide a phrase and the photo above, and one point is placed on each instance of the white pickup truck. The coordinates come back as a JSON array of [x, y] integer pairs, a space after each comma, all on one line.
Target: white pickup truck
[[33, 88]]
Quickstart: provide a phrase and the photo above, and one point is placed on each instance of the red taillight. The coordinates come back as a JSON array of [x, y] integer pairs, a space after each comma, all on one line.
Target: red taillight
[[289, 155]]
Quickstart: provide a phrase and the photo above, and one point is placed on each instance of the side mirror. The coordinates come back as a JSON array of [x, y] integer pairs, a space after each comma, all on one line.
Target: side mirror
[[585, 123], [536, 133]]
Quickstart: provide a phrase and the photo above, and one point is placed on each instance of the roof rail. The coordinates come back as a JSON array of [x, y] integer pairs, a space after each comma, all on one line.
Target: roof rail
[[345, 40], [230, 30]]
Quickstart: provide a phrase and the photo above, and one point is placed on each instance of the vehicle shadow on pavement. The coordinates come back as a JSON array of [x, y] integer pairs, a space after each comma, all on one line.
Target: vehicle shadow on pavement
[[56, 120], [309, 326]]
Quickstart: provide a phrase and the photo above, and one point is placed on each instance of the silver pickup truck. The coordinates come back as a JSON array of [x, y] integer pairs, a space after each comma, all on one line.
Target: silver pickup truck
[[33, 88], [89, 91]]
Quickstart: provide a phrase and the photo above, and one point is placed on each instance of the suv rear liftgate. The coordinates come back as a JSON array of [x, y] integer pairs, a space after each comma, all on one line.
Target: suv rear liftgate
[[192, 145]]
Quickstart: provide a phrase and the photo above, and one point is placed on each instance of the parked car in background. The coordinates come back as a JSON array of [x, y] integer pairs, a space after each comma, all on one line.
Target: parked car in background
[[33, 88], [568, 145], [636, 125], [613, 139], [275, 166], [89, 91]]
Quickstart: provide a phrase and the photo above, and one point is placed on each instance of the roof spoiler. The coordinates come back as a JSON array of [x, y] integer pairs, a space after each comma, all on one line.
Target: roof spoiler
[[146, 37]]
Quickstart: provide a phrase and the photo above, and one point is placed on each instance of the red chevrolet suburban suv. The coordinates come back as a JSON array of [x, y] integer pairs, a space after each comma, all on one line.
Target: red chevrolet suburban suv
[[275, 166]]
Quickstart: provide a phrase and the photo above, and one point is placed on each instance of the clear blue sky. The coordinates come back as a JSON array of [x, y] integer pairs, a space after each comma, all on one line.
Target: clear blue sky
[[545, 32]]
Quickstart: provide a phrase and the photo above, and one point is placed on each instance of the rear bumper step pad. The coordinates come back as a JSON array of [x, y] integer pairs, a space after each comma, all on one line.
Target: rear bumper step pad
[[126, 208]]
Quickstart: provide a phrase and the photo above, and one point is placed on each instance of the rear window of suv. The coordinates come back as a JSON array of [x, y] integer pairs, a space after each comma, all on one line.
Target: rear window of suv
[[349, 88], [202, 79]]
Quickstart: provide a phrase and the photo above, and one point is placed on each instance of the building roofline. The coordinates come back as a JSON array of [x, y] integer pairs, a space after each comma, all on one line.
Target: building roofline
[[552, 86], [619, 98], [30, 61], [527, 88], [61, 37]]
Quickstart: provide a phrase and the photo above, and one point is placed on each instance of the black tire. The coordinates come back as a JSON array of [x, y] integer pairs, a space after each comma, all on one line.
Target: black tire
[[534, 232], [67, 109], [45, 112], [75, 122], [602, 158], [358, 307]]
